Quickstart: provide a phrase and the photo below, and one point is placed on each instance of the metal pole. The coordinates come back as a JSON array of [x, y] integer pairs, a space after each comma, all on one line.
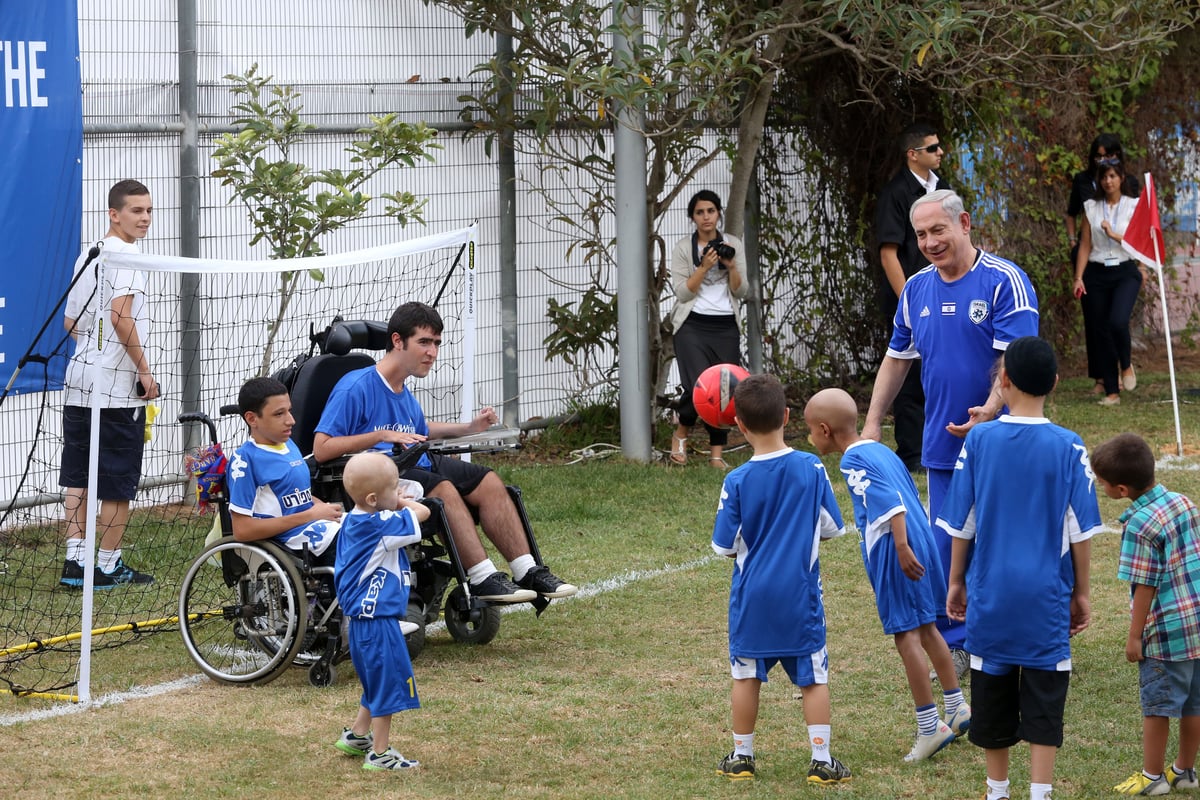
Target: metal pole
[[633, 338], [506, 171], [190, 315]]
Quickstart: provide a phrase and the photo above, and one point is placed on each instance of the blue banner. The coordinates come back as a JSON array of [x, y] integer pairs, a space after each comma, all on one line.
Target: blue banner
[[41, 135]]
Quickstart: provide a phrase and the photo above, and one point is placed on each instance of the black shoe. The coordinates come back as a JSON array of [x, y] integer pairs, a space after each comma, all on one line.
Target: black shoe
[[497, 588], [120, 576], [541, 580], [72, 575], [833, 772], [737, 768]]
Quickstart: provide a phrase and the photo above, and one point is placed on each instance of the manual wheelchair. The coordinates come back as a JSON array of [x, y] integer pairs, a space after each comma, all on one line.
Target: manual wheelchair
[[250, 610]]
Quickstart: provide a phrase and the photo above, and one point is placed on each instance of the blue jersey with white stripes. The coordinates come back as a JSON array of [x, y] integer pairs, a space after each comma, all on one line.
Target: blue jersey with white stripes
[[1023, 491], [268, 481], [372, 573], [774, 510], [958, 329]]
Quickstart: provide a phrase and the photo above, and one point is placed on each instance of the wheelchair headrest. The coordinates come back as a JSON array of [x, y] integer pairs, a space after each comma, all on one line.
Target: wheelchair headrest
[[359, 334]]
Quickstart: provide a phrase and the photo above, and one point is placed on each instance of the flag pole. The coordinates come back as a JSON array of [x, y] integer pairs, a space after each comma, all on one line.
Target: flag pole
[[1162, 293]]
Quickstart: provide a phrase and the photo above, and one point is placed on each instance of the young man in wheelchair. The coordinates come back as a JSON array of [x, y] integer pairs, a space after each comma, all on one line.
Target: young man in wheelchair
[[270, 490], [372, 408]]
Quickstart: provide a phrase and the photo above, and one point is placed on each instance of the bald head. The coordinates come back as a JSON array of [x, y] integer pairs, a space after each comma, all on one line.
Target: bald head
[[369, 473], [835, 408]]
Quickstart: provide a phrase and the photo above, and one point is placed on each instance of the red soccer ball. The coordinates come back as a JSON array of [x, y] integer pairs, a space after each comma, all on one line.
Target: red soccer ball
[[713, 394]]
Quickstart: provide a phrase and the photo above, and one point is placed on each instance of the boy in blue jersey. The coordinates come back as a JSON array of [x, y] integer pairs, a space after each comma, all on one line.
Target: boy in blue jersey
[[1022, 510], [774, 510], [373, 579], [901, 559], [270, 489], [1160, 557], [957, 316]]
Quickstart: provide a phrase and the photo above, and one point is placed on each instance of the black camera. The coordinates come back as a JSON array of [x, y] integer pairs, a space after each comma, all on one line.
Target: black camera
[[723, 251]]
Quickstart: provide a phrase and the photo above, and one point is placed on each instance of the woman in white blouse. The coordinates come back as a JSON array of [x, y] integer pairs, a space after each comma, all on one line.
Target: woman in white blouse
[[708, 272], [1107, 281]]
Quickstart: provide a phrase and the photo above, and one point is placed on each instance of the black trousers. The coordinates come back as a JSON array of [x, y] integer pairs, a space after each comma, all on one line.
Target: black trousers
[[908, 410], [702, 341], [1107, 303]]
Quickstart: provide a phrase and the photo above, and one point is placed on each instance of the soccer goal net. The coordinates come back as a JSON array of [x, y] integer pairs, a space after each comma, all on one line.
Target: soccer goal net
[[212, 324]]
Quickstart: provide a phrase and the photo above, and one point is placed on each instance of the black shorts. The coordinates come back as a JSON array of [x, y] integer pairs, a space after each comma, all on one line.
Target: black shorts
[[122, 442], [463, 475], [1026, 704]]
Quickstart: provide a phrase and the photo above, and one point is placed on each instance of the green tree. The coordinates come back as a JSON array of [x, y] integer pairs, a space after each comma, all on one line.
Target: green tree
[[825, 75], [292, 206]]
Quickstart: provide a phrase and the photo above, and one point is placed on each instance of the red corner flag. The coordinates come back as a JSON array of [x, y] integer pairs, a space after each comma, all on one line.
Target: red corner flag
[[1143, 235]]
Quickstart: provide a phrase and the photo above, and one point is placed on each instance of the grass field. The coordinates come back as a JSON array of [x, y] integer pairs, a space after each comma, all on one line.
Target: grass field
[[620, 692]]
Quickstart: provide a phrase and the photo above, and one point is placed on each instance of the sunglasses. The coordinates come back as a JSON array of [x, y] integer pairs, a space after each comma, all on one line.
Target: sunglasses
[[1108, 161], [932, 148]]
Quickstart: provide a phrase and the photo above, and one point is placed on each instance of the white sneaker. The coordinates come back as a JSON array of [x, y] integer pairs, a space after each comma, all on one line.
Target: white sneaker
[[960, 720], [925, 746], [407, 627]]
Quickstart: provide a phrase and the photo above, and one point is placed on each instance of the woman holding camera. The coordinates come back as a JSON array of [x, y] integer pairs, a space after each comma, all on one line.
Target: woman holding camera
[[1107, 280], [708, 276]]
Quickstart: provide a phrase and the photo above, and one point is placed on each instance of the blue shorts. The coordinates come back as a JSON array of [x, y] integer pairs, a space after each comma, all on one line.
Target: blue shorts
[[380, 658], [122, 442], [1169, 688], [803, 670]]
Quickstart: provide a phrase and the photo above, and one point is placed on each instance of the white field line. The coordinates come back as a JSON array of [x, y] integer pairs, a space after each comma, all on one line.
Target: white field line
[[613, 584]]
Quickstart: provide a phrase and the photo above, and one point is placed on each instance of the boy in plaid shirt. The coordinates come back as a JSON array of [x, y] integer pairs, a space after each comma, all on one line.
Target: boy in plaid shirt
[[1160, 557]]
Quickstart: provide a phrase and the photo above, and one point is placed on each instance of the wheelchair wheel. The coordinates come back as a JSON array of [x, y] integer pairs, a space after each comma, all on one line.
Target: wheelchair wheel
[[462, 628], [322, 675], [243, 622], [416, 639]]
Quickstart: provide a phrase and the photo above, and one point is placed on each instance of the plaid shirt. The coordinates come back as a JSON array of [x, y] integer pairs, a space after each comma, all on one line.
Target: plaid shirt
[[1160, 547]]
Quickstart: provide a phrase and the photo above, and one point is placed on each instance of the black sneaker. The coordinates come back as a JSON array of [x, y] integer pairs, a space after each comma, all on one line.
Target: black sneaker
[[72, 574], [737, 768], [497, 588], [541, 580], [120, 576], [833, 772]]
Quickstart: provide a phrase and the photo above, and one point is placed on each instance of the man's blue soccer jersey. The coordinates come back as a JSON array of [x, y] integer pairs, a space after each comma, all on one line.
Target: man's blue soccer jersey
[[1023, 490], [268, 481], [774, 510], [363, 402], [372, 570], [880, 489], [958, 330]]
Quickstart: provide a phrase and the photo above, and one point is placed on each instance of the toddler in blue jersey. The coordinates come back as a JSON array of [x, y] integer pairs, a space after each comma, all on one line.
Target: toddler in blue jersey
[[1022, 510], [373, 580], [270, 489], [1160, 557], [901, 558], [773, 512]]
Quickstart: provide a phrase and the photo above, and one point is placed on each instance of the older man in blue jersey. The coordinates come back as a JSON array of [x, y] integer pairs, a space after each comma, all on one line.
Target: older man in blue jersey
[[957, 315]]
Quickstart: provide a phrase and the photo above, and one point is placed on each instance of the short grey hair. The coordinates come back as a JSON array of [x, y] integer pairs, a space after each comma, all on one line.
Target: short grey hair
[[951, 203]]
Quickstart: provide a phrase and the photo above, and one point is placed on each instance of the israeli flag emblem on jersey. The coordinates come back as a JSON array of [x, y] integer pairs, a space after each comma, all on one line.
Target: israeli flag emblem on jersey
[[978, 311]]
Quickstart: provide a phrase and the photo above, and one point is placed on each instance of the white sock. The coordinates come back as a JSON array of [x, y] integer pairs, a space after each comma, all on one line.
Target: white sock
[[953, 700], [477, 573], [818, 739], [520, 565], [1039, 791], [927, 720], [76, 551], [107, 560], [997, 789], [743, 744]]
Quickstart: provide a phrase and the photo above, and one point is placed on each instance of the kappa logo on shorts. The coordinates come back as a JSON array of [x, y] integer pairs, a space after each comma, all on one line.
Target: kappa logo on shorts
[[978, 311]]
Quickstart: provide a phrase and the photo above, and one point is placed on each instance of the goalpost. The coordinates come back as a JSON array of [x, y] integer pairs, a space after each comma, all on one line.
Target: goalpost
[[46, 631]]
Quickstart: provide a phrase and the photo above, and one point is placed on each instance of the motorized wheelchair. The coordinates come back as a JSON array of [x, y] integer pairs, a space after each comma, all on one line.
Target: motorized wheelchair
[[250, 610]]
